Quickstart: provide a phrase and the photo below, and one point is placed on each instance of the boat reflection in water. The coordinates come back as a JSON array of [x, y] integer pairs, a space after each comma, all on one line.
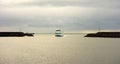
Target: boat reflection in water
[[58, 33]]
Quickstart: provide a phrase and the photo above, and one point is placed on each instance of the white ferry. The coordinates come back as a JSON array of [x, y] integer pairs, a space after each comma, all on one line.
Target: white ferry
[[58, 33]]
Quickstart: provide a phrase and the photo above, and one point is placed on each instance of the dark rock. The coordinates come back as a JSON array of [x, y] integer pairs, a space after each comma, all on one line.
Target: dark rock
[[14, 34], [104, 34]]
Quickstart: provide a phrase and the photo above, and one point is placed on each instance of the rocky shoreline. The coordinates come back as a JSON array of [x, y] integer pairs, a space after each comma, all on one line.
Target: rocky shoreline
[[15, 34], [104, 34]]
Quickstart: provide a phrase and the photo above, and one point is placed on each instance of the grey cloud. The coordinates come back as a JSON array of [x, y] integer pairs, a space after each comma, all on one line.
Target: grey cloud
[[79, 24], [105, 16], [85, 3]]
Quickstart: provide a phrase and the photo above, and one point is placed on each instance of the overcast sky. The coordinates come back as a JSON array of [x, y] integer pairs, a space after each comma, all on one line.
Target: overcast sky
[[68, 15]]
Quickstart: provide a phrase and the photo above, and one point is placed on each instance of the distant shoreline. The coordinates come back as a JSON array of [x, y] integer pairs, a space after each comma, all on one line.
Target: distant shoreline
[[104, 34]]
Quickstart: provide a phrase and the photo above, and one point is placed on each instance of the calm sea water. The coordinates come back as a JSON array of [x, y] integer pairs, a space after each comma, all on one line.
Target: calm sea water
[[48, 49]]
